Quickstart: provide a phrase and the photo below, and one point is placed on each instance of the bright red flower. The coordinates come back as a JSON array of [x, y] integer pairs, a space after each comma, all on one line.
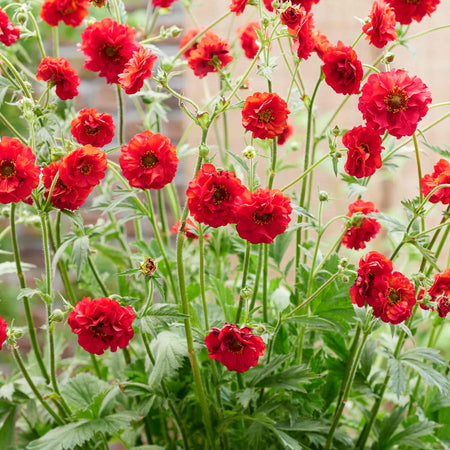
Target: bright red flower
[[364, 151], [190, 230], [381, 28], [212, 194], [342, 68], [408, 10], [365, 229], [304, 43], [249, 39], [395, 102], [63, 196], [265, 115], [441, 175], [3, 327], [292, 17], [71, 12], [286, 134], [262, 215], [101, 323], [108, 47], [190, 34], [8, 32], [236, 348], [149, 161], [92, 128], [321, 43], [163, 3], [84, 167], [307, 4], [211, 47], [238, 6], [18, 173], [440, 292], [138, 69], [60, 73]]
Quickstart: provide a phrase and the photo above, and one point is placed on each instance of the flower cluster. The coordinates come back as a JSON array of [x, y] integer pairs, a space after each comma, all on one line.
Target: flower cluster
[[71, 12], [440, 292], [441, 175], [8, 32]]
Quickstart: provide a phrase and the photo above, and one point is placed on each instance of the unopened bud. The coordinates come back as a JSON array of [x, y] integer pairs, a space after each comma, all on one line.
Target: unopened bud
[[295, 146], [345, 278], [246, 292], [338, 154], [57, 316], [335, 131], [249, 152], [260, 329], [420, 276], [265, 22], [203, 151], [22, 18], [16, 333], [174, 31], [148, 267], [323, 196], [343, 262], [99, 3], [388, 58]]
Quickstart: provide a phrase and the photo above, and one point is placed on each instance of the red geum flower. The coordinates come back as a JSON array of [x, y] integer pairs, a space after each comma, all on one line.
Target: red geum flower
[[262, 215], [371, 282], [60, 73], [395, 102], [443, 306], [63, 196], [149, 161], [408, 10], [92, 128], [381, 28], [238, 6], [365, 229], [108, 47], [364, 151], [163, 3], [249, 39], [342, 68], [212, 194], [190, 34], [321, 43], [441, 175], [307, 4], [3, 327], [8, 32], [138, 69], [292, 17], [441, 285], [265, 115], [84, 167], [190, 230], [19, 174], [71, 12], [236, 348], [286, 134], [101, 323], [304, 43], [211, 52]]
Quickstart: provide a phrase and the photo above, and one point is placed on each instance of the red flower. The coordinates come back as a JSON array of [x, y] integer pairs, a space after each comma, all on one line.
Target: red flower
[[307, 4], [137, 70], [441, 175], [71, 12], [443, 306], [395, 102], [3, 326], [342, 68], [101, 324], [162, 3], [441, 285], [8, 33], [92, 128], [236, 348], [190, 34], [304, 43], [364, 151], [321, 43], [212, 194], [209, 49], [408, 10], [238, 6], [190, 230], [108, 47], [84, 167], [60, 73], [365, 229], [262, 215], [265, 115], [286, 134], [292, 18], [63, 196], [149, 161], [249, 38], [18, 173], [381, 28]]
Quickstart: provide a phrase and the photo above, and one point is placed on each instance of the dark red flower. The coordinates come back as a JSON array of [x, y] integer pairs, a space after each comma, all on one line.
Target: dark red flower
[[163, 3], [443, 306], [71, 12], [60, 73], [138, 69], [249, 39], [19, 174], [441, 175], [212, 194], [286, 134], [238, 6], [211, 54], [190, 230], [190, 34], [342, 68], [265, 115], [408, 10], [395, 102], [304, 43], [84, 167], [292, 17], [64, 196], [108, 47], [8, 32], [262, 215], [3, 327], [236, 348], [364, 151], [149, 161], [101, 323], [92, 128], [381, 28], [365, 229], [321, 43]]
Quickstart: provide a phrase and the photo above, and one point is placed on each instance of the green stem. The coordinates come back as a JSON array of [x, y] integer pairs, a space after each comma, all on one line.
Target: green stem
[[38, 34], [310, 169], [96, 366], [243, 298], [163, 217], [97, 277], [265, 283], [55, 35], [121, 113], [202, 274], [11, 128], [419, 173], [17, 76], [258, 275]]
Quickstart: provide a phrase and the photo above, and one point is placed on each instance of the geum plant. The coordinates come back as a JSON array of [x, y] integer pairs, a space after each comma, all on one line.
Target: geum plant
[[259, 328]]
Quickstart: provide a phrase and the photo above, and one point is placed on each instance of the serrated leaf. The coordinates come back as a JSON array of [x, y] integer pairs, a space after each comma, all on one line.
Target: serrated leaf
[[398, 376], [80, 253], [81, 390], [290, 379], [7, 431], [159, 315], [302, 212], [314, 322], [10, 267], [392, 223], [445, 152]]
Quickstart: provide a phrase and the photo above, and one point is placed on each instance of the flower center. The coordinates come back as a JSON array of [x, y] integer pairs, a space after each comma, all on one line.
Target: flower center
[[97, 330], [7, 168], [365, 148], [262, 219], [92, 131], [396, 100], [393, 297], [149, 159], [86, 168], [414, 2], [110, 52], [234, 345], [266, 115], [220, 194]]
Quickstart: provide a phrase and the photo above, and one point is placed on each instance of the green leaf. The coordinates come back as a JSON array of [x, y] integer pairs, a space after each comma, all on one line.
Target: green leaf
[[10, 267], [280, 245], [398, 376], [7, 431], [290, 379], [445, 152], [409, 436], [158, 316], [288, 442], [114, 254], [81, 390], [80, 253], [391, 223], [314, 322]]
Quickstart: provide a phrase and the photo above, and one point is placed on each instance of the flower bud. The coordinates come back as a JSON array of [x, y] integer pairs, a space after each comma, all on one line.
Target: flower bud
[[343, 263], [338, 155], [15, 333], [295, 146], [203, 150], [345, 278], [22, 18], [260, 328], [148, 267], [246, 292], [249, 152], [174, 31], [57, 316], [335, 131], [388, 58], [323, 196]]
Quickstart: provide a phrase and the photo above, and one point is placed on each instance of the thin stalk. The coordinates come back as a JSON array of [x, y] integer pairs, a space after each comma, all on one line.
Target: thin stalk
[[243, 298], [55, 36], [96, 366], [163, 217], [265, 282], [201, 243], [38, 34], [258, 275], [17, 76], [419, 173], [11, 128], [320, 161], [97, 277], [121, 113]]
